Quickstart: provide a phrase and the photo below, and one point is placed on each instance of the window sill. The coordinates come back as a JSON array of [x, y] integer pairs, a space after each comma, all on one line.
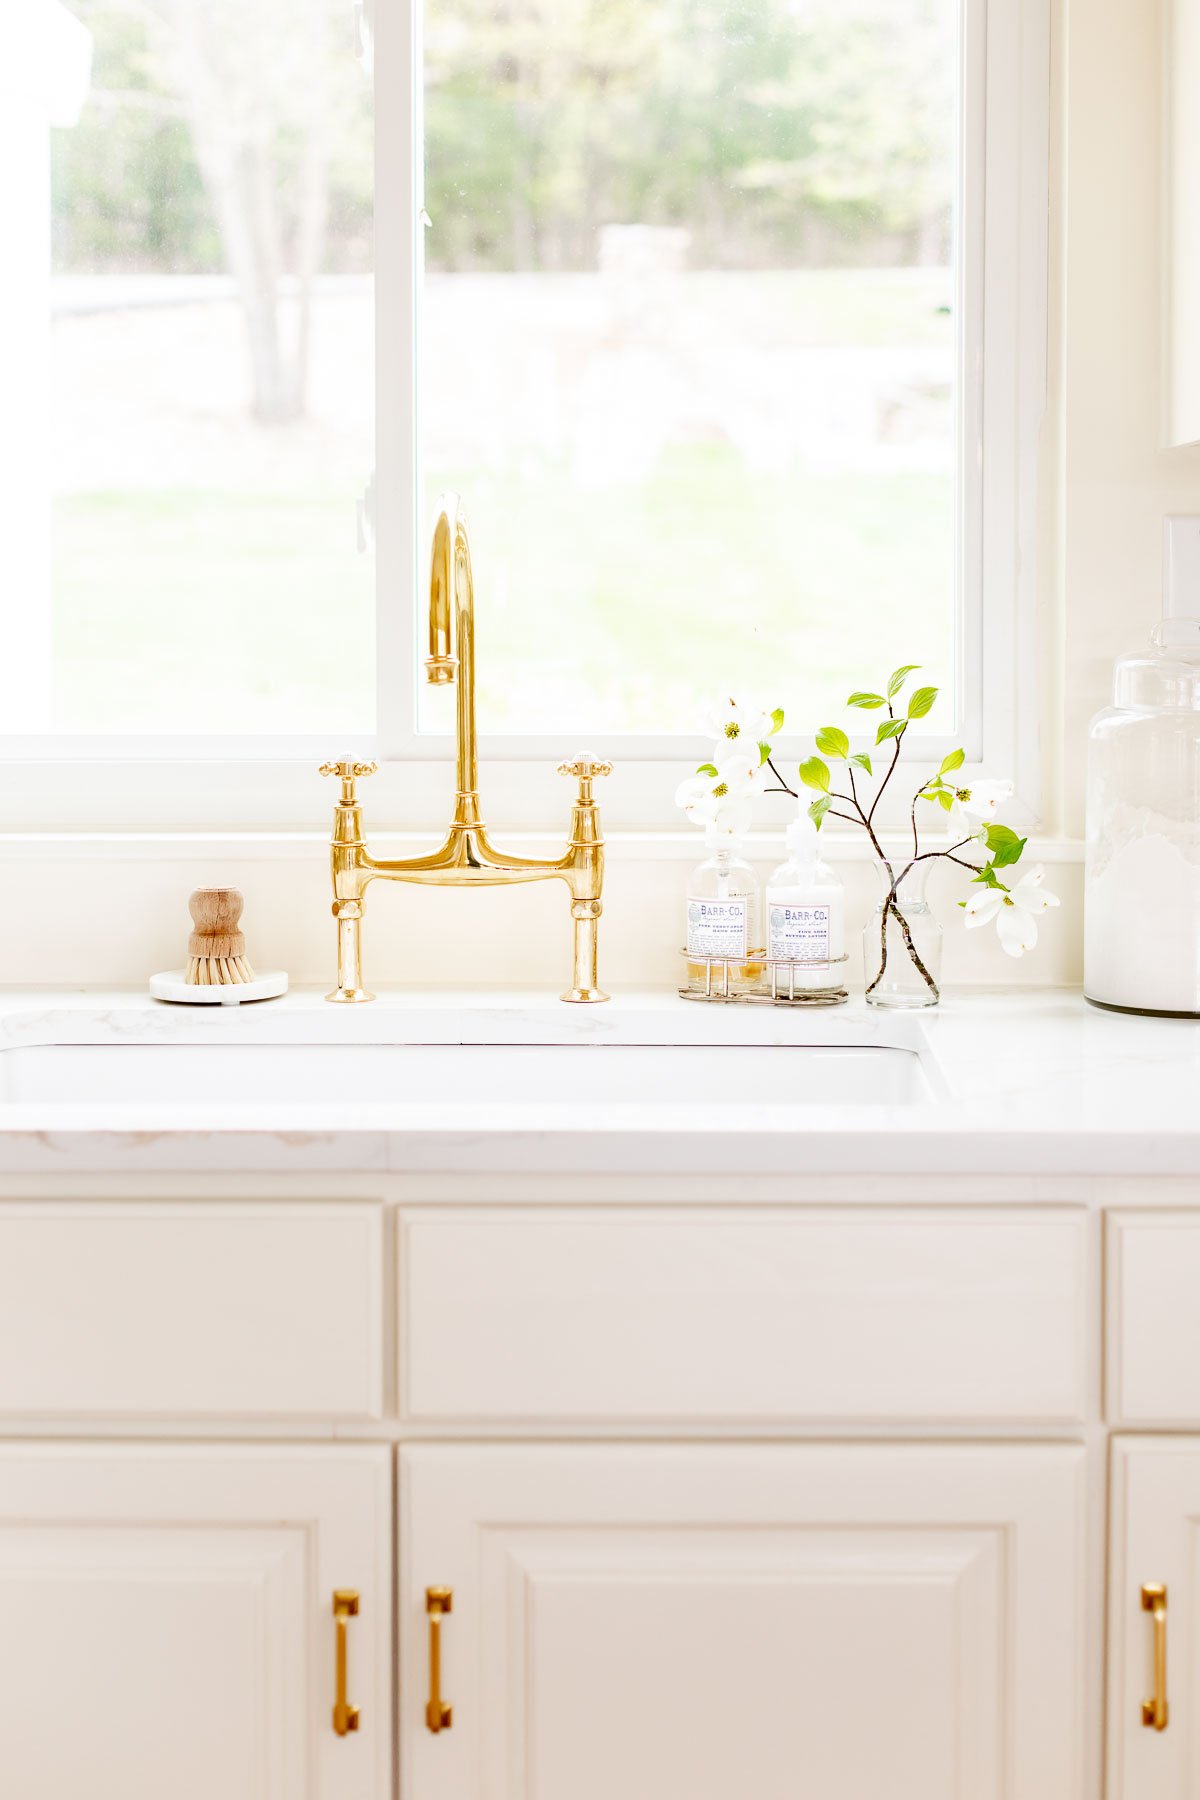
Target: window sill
[[302, 846]]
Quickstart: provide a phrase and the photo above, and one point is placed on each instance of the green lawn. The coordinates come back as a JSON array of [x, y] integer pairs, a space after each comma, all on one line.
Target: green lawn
[[240, 602], [213, 611], [631, 603]]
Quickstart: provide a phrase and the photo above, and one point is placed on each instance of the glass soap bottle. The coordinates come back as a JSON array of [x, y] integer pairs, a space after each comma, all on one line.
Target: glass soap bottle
[[724, 933], [806, 919]]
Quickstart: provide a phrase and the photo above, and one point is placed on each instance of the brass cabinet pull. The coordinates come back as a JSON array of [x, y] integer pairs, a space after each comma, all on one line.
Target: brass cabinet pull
[[345, 1608], [1155, 1712], [438, 1602]]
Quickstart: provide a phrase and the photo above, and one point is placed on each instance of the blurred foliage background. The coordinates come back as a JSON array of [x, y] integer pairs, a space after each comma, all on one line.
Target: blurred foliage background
[[804, 133]]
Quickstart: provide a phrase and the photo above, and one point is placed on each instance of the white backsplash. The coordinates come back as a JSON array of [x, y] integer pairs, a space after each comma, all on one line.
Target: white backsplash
[[112, 916]]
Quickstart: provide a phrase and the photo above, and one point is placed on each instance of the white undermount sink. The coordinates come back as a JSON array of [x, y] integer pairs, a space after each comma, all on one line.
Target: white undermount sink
[[309, 1075]]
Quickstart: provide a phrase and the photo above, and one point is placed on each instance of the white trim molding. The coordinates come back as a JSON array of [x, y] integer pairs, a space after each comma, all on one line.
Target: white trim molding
[[302, 846]]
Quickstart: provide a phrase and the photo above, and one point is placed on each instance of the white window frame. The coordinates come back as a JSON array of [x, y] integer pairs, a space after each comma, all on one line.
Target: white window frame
[[223, 784]]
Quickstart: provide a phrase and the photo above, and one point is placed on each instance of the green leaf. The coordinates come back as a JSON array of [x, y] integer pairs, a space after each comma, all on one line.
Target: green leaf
[[818, 809], [946, 799], [862, 761], [764, 754], [955, 760], [921, 701], [707, 769], [1006, 847], [899, 678], [832, 742], [866, 701], [777, 721], [986, 878], [889, 728], [815, 774]]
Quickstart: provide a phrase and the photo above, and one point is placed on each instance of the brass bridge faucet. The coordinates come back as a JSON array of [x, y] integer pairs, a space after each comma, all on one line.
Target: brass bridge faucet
[[466, 858]]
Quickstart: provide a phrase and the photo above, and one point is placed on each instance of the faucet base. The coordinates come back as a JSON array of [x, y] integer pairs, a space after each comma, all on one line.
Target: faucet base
[[349, 996], [584, 996]]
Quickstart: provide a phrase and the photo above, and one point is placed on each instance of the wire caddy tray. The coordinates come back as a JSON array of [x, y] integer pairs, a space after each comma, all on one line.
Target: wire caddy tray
[[780, 980]]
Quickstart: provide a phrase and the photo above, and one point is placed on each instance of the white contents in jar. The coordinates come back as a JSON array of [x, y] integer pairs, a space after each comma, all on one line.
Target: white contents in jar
[[1142, 928]]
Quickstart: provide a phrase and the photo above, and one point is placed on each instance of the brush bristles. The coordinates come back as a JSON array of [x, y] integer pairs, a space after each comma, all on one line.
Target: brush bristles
[[218, 971]]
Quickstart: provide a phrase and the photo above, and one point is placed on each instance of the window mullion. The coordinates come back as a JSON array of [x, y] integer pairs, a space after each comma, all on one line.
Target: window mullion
[[398, 257]]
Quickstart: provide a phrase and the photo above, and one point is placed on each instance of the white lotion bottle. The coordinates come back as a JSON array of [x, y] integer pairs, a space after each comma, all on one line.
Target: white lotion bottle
[[723, 919], [806, 917]]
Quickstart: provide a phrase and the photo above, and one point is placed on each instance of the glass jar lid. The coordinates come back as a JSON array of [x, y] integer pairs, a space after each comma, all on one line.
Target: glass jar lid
[[1164, 677]]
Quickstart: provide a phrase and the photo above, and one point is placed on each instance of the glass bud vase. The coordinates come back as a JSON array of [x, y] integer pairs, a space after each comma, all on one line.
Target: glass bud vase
[[902, 941]]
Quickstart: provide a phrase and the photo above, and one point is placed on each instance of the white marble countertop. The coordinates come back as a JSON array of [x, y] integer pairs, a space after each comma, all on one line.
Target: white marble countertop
[[1029, 1081]]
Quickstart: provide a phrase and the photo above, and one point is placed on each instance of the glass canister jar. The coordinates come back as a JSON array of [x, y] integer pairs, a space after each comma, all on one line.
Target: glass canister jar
[[1142, 892]]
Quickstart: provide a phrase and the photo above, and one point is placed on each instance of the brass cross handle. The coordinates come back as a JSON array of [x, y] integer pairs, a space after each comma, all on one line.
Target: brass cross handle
[[585, 768], [348, 773]]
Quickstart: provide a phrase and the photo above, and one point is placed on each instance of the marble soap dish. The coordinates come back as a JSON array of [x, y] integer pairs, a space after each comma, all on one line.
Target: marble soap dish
[[173, 984], [217, 972]]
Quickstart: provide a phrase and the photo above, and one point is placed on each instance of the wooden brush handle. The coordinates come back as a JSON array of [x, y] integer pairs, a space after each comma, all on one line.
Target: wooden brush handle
[[215, 914]]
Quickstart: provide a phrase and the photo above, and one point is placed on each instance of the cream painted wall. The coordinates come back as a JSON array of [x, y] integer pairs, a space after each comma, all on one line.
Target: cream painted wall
[[1106, 482], [1116, 480]]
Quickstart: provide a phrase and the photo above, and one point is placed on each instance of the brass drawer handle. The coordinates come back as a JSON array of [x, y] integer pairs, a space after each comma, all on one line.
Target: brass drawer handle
[[1155, 1712], [345, 1608], [438, 1602]]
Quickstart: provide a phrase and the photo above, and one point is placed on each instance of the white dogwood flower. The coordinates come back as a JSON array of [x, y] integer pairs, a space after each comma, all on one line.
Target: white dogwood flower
[[737, 719], [980, 802], [723, 797], [1015, 910]]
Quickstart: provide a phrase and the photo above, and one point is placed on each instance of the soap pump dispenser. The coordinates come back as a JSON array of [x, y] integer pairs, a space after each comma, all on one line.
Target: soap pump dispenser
[[806, 918], [724, 941]]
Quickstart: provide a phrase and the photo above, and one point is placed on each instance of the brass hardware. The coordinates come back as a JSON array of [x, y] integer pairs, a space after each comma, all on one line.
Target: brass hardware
[[466, 858], [585, 769], [438, 1602], [1155, 1712], [345, 1607]]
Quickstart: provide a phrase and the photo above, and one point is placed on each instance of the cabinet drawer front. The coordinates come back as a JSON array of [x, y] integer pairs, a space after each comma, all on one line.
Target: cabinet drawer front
[[1153, 1360], [210, 1309], [589, 1313]]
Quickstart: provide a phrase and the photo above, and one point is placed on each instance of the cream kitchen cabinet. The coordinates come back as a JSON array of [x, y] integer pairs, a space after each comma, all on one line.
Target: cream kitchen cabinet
[[775, 1490], [1154, 1615], [673, 1622], [167, 1622]]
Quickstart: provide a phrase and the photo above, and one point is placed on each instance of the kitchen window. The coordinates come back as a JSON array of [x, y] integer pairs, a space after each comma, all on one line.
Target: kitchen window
[[726, 317]]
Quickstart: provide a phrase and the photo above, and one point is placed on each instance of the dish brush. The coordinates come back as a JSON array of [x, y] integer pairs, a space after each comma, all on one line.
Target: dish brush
[[216, 948], [218, 972]]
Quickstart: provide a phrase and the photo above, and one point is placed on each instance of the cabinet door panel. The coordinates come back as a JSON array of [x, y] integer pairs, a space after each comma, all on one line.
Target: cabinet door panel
[[1155, 1541], [166, 1622], [679, 1623]]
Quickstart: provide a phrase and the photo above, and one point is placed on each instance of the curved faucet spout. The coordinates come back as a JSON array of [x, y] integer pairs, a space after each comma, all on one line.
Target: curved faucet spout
[[467, 857], [452, 645]]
